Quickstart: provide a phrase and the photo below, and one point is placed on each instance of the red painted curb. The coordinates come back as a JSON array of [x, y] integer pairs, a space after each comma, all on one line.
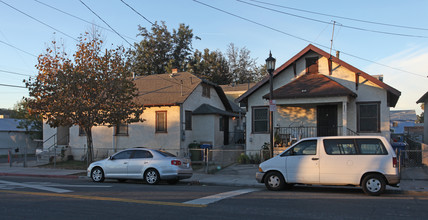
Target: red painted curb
[[41, 175]]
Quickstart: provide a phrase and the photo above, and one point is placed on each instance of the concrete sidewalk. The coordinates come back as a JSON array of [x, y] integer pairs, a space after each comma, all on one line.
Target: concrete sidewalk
[[414, 180]]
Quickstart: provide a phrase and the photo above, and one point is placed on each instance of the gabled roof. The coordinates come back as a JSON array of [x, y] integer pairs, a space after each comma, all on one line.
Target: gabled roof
[[311, 85], [206, 109], [422, 99], [393, 94], [171, 89]]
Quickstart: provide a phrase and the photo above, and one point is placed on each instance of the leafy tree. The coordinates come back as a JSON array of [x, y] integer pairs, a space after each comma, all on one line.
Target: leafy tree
[[242, 67], [182, 48], [212, 66], [160, 51], [93, 89], [32, 123]]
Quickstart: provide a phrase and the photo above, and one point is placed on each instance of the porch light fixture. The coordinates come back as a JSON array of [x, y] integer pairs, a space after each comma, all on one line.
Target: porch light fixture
[[270, 66]]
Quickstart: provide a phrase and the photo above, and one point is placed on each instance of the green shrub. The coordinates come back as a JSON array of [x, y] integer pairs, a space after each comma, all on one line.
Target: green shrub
[[243, 159]]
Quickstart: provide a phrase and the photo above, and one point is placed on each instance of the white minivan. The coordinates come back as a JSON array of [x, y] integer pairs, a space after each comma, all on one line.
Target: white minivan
[[366, 161]]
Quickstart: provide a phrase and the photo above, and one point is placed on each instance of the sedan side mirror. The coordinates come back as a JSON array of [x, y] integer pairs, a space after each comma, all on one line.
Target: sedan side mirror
[[111, 158]]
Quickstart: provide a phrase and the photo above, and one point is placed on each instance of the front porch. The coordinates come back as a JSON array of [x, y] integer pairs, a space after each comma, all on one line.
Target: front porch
[[286, 136]]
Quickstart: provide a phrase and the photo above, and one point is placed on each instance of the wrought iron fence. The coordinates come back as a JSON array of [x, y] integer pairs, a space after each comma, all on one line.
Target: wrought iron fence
[[288, 135]]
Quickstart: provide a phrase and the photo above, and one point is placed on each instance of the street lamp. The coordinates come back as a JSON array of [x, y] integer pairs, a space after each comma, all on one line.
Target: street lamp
[[270, 66]]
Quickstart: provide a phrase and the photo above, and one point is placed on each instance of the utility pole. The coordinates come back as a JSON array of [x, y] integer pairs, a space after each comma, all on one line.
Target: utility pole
[[332, 35]]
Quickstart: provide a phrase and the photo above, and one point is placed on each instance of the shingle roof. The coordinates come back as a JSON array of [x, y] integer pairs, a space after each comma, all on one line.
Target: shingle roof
[[206, 109], [393, 94], [311, 85], [171, 89], [165, 89]]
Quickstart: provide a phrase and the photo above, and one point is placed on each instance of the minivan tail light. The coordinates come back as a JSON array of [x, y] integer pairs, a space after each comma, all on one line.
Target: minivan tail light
[[394, 162], [175, 162]]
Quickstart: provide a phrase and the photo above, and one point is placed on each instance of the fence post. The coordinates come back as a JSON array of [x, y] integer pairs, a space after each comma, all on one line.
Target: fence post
[[25, 156], [206, 160], [9, 157], [54, 157]]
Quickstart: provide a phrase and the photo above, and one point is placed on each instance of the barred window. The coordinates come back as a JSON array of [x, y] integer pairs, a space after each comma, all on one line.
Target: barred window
[[368, 117], [260, 119]]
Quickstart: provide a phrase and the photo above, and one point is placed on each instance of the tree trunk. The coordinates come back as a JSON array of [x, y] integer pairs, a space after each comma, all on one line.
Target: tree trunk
[[90, 156]]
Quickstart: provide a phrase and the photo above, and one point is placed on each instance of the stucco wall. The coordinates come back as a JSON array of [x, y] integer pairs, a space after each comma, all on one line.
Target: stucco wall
[[194, 101]]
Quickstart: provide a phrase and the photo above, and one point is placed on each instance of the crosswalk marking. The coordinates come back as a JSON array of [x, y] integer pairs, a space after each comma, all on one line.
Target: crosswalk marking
[[217, 197], [45, 188]]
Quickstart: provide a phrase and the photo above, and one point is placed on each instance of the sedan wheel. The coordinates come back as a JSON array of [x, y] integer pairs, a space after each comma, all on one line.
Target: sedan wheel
[[152, 176], [373, 184], [274, 181], [97, 175]]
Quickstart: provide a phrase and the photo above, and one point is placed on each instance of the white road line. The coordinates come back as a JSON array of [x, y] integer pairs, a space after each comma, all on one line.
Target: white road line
[[217, 197], [45, 188], [66, 185]]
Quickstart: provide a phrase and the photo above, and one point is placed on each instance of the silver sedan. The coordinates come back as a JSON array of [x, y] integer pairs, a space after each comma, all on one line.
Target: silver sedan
[[141, 163]]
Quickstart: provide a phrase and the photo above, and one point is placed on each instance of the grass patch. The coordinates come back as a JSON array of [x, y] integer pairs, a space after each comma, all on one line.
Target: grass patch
[[69, 165]]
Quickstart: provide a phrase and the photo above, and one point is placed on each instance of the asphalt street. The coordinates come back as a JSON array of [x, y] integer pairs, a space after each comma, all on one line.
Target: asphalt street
[[41, 198]]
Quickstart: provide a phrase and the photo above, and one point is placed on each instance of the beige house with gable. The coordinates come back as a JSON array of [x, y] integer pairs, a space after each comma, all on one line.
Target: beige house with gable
[[317, 94], [180, 109]]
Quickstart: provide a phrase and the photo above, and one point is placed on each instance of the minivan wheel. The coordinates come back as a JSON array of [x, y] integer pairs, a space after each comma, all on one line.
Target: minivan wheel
[[151, 176], [274, 181], [97, 174], [373, 184]]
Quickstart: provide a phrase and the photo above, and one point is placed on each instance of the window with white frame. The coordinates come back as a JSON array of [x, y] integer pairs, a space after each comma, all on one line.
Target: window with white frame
[[260, 119], [161, 122]]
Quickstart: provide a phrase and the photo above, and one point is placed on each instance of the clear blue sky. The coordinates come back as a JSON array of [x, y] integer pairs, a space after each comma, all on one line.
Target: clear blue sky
[[283, 30]]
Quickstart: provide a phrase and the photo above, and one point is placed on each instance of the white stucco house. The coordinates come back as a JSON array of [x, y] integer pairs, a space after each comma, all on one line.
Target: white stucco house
[[180, 109], [317, 94]]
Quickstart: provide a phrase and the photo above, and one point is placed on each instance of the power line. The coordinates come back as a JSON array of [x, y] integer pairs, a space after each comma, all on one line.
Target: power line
[[38, 20], [14, 73], [74, 16], [10, 45], [12, 86], [300, 38], [137, 12], [105, 23], [341, 17], [346, 26]]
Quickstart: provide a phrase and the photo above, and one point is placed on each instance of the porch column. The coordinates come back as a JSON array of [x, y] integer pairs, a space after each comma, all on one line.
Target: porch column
[[344, 118]]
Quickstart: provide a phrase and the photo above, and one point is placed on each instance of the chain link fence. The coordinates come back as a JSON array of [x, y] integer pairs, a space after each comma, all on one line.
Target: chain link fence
[[209, 159], [411, 154]]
